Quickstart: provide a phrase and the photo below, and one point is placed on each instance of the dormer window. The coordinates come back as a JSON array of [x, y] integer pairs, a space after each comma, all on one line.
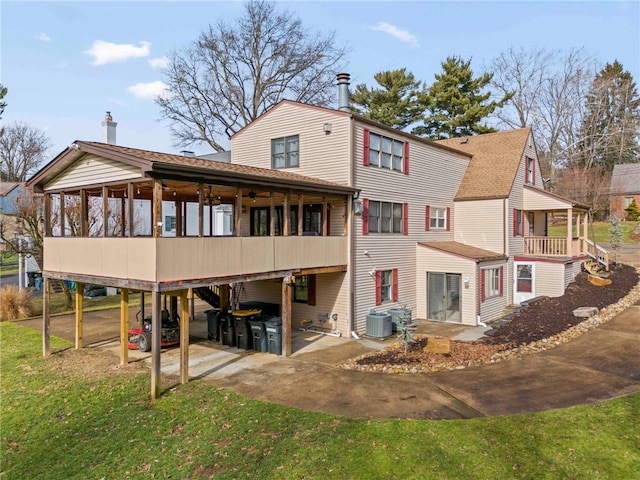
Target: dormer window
[[285, 152]]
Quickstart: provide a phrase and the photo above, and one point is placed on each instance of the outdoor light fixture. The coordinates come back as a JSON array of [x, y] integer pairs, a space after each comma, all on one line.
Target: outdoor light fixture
[[358, 208], [326, 128]]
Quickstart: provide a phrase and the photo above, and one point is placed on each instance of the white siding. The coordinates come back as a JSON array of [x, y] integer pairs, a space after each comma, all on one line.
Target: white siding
[[516, 198], [493, 308], [322, 155], [93, 170], [434, 177], [549, 278], [430, 260], [481, 223], [331, 297]]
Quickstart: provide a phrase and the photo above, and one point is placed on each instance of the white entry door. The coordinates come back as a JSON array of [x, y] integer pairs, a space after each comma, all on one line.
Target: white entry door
[[524, 285]]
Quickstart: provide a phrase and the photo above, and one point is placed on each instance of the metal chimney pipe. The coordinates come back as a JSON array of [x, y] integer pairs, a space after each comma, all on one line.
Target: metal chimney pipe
[[109, 130], [343, 92]]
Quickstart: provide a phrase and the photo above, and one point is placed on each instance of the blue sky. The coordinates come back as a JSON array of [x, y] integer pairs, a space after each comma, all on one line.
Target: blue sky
[[66, 63]]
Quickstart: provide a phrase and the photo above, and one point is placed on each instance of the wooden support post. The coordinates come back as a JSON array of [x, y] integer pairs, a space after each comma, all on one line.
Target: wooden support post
[[285, 214], [286, 314], [105, 211], [184, 337], [79, 314], [348, 212], [63, 215], [179, 217], [272, 214], [156, 327], [130, 211], [124, 326], [156, 203], [84, 214], [46, 321], [300, 215], [123, 216], [224, 297], [569, 232], [201, 210], [47, 214], [325, 217], [585, 231], [239, 213]]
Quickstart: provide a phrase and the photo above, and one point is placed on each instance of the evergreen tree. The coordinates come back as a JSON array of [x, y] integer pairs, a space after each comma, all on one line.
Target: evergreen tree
[[611, 127], [3, 92], [399, 103], [633, 212], [456, 104]]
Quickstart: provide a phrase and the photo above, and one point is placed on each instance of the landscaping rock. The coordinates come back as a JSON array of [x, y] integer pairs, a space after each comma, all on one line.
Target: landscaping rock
[[599, 281], [585, 312], [438, 345]]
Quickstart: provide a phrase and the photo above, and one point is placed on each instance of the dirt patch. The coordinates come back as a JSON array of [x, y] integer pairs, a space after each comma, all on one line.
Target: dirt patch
[[547, 318]]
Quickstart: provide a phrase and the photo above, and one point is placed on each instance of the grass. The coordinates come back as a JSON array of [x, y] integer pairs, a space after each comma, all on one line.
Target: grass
[[61, 425], [58, 303], [599, 230]]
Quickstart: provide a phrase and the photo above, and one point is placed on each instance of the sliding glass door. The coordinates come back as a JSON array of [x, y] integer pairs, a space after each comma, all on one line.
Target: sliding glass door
[[443, 296]]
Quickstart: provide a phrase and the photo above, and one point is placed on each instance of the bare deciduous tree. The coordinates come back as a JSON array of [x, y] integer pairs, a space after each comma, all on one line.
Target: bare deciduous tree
[[589, 186], [234, 73], [22, 150]]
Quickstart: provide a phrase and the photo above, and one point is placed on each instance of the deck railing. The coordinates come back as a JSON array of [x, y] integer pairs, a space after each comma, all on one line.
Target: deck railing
[[601, 255], [547, 246]]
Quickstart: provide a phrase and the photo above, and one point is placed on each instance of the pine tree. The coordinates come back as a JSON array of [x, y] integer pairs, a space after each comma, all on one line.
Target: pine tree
[[633, 212], [456, 105], [399, 103], [610, 127]]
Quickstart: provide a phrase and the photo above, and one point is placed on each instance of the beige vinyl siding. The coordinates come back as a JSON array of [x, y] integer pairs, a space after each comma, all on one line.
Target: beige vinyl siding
[[481, 223], [549, 278], [321, 155], [92, 170], [540, 201], [430, 260], [570, 272], [493, 308], [434, 177], [331, 297]]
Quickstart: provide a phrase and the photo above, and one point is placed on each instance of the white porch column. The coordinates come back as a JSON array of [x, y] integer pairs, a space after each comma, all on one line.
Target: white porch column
[[569, 232]]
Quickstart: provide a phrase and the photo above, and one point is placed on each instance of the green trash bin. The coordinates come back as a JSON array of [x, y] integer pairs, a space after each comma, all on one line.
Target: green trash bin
[[241, 320], [228, 330], [213, 324], [258, 333], [273, 327]]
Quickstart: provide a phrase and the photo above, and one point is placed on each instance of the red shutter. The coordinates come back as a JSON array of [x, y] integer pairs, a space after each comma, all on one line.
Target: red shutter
[[405, 219], [515, 221], [365, 216], [405, 166], [448, 219], [394, 289], [427, 218], [522, 223], [526, 170], [365, 158], [501, 280], [483, 272], [533, 180], [378, 287], [311, 289]]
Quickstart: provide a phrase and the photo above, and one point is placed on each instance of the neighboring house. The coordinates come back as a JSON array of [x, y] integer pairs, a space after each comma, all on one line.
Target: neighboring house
[[624, 189], [10, 194], [334, 216]]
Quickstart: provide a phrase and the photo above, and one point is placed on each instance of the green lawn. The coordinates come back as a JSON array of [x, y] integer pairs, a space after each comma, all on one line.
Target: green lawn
[[58, 303], [61, 424], [599, 230]]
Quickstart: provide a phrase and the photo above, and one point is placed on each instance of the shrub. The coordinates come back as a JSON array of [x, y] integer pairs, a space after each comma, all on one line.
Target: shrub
[[633, 212], [14, 303]]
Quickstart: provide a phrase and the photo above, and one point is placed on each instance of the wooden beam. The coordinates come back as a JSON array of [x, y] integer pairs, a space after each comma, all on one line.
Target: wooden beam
[[47, 214], [325, 217], [124, 326], [157, 208], [84, 214], [184, 337], [239, 213], [285, 214], [286, 314], [62, 215], [130, 211], [300, 215], [46, 321], [156, 327], [105, 211], [272, 215], [332, 269], [79, 314], [201, 210]]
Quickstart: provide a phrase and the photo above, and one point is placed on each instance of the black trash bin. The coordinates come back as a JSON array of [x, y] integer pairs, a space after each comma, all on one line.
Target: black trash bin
[[228, 329], [258, 333], [241, 320], [273, 328], [213, 324]]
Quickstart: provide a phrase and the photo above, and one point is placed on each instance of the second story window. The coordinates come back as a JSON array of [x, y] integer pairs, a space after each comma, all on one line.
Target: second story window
[[385, 152], [385, 217], [530, 173], [285, 152]]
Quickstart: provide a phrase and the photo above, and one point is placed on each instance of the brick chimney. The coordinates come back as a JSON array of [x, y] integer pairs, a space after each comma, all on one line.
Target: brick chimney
[[109, 130]]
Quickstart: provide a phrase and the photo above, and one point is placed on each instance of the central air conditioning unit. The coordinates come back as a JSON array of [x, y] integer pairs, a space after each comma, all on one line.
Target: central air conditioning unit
[[379, 325]]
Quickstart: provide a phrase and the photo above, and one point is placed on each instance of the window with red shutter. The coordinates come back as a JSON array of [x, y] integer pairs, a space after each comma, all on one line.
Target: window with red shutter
[[483, 273], [405, 219], [395, 285], [427, 218], [405, 166], [448, 221], [501, 281], [365, 216], [378, 287]]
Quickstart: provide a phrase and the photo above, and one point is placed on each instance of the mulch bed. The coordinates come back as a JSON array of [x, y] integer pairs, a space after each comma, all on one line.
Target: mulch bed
[[541, 320]]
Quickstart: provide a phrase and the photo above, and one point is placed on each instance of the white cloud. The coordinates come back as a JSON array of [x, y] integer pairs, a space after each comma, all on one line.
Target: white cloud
[[394, 31], [42, 37], [148, 91], [162, 62], [107, 52]]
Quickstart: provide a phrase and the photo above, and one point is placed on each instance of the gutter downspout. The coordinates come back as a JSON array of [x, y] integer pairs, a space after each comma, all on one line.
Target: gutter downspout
[[351, 284], [478, 283]]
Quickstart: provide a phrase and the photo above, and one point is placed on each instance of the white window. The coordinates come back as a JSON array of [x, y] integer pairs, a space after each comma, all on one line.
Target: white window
[[385, 217], [530, 171], [492, 282], [385, 152], [438, 218], [285, 152], [385, 285]]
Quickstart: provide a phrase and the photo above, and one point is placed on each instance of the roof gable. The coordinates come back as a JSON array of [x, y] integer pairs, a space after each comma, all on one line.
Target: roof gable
[[625, 179], [493, 168]]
